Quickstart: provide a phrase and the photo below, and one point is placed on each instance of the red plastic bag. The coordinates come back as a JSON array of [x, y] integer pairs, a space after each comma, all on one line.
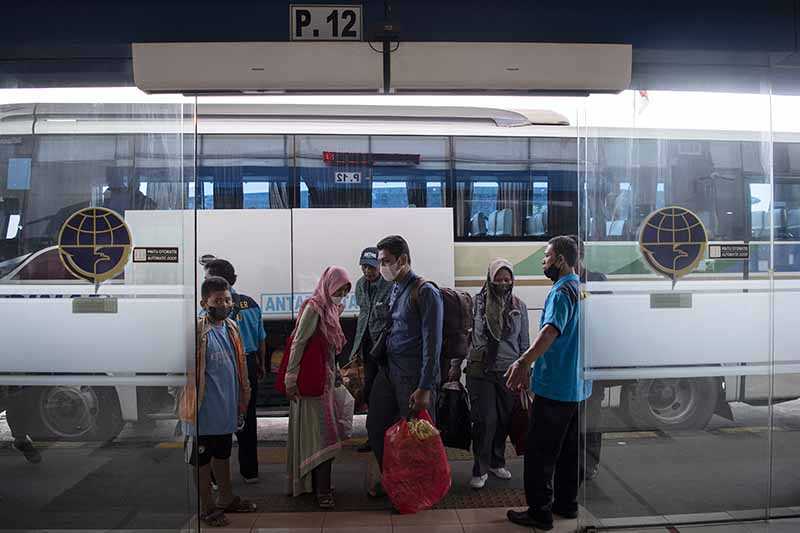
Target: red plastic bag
[[416, 473]]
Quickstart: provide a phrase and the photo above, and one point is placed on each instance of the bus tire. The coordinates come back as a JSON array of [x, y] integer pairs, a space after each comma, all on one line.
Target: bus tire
[[73, 413], [671, 404]]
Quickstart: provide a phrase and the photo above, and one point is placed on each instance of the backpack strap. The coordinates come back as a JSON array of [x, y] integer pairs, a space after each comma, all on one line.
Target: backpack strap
[[414, 296]]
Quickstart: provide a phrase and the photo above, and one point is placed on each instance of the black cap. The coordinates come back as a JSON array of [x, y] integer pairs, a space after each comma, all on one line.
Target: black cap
[[205, 259], [369, 257]]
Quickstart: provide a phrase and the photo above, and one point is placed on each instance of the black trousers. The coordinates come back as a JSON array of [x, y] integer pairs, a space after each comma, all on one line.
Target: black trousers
[[370, 366], [16, 417], [248, 437], [553, 469], [491, 403], [388, 403]]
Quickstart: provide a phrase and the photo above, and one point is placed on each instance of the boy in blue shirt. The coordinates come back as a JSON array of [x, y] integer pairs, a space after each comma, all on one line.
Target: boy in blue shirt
[[247, 315], [213, 401], [552, 458]]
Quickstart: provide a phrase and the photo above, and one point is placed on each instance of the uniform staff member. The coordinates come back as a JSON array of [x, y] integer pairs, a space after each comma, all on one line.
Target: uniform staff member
[[552, 466], [247, 315]]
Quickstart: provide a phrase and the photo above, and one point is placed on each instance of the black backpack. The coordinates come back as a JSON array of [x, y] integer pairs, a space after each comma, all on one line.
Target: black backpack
[[457, 323]]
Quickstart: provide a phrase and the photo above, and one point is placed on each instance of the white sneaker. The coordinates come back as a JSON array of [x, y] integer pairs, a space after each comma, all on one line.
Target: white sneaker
[[478, 482], [501, 473], [250, 480]]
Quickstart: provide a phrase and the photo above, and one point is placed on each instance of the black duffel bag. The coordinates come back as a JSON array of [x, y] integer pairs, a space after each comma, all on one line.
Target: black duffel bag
[[453, 417]]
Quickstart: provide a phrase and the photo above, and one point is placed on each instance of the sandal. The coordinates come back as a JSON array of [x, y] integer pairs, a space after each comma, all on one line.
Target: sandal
[[215, 518], [240, 505], [325, 500]]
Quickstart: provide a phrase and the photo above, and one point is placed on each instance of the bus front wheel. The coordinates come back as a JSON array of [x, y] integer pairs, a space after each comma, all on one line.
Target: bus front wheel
[[671, 404]]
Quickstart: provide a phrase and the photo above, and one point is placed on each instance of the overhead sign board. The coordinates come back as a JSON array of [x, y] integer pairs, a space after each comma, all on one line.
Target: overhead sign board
[[313, 22]]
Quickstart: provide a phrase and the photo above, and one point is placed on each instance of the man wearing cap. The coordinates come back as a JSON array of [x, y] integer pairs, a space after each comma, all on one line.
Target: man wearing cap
[[372, 297]]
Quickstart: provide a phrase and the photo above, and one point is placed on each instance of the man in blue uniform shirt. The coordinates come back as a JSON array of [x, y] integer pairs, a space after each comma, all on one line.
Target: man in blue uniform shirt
[[552, 460], [247, 315]]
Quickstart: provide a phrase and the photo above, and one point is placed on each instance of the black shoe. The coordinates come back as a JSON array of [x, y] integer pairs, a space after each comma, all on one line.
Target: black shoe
[[592, 473], [25, 446], [364, 448], [565, 511], [541, 520]]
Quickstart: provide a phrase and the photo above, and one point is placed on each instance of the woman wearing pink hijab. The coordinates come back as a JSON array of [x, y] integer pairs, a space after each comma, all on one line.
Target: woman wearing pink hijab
[[314, 438]]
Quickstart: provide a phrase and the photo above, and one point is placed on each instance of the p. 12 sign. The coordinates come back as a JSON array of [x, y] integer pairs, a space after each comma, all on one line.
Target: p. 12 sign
[[347, 177], [325, 23]]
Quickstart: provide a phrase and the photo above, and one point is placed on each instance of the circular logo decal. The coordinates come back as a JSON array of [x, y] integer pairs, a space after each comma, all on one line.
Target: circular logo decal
[[94, 244], [672, 241]]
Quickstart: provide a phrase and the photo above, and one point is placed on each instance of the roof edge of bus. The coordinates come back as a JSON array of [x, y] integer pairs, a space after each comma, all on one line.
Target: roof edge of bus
[[500, 117]]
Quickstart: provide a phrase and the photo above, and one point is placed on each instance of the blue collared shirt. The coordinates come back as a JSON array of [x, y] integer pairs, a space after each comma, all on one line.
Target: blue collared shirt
[[251, 325], [558, 374], [415, 338]]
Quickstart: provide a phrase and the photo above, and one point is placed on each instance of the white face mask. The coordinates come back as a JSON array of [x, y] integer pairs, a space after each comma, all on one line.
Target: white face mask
[[389, 273], [337, 299]]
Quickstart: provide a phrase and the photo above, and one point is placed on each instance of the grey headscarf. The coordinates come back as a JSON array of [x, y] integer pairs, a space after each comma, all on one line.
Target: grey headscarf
[[498, 306]]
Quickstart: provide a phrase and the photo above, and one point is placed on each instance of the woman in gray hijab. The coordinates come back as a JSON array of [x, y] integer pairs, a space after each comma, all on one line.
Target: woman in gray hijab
[[499, 336]]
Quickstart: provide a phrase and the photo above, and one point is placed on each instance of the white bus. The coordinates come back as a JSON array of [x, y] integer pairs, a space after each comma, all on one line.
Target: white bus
[[282, 190]]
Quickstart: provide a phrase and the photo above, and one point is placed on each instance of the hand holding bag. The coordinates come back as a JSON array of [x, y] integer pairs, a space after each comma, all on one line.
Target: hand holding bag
[[520, 419], [353, 378]]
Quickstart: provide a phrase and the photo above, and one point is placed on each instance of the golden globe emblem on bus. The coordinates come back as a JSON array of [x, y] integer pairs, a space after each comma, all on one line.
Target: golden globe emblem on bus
[[672, 241], [94, 244]]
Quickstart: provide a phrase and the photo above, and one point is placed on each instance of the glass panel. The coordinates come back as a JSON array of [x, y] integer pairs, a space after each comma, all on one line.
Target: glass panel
[[335, 170], [514, 188], [97, 325], [412, 182], [245, 171], [786, 260], [677, 335]]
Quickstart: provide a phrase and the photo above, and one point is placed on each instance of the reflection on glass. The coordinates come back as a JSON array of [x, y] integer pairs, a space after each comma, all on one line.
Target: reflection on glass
[[88, 369], [680, 424]]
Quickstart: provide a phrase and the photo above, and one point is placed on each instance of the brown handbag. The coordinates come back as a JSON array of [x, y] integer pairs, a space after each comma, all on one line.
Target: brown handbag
[[353, 378]]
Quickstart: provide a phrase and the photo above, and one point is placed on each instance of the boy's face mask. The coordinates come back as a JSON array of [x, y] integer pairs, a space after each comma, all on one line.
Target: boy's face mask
[[218, 313], [219, 306]]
